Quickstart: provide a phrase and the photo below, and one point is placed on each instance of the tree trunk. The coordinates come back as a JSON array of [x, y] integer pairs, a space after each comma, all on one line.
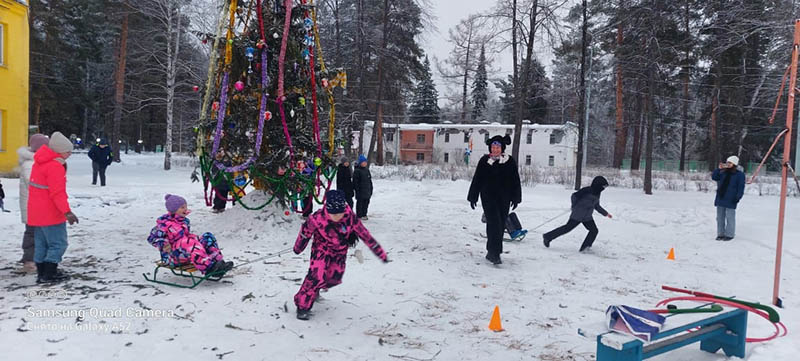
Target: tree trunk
[[648, 168], [466, 76], [119, 91], [514, 50], [378, 131], [713, 156], [686, 71], [620, 129], [523, 88], [636, 152], [173, 25], [581, 102]]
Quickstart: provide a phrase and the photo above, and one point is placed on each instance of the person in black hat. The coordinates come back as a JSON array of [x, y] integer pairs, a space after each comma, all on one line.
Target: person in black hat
[[496, 182], [100, 154], [584, 203], [334, 229], [344, 181]]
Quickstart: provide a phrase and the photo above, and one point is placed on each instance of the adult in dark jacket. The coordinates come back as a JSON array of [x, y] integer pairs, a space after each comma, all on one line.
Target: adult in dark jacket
[[362, 184], [101, 159], [344, 181], [584, 203], [730, 189], [496, 182]]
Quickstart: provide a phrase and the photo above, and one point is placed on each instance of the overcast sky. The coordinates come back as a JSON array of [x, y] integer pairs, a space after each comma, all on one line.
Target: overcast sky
[[448, 13]]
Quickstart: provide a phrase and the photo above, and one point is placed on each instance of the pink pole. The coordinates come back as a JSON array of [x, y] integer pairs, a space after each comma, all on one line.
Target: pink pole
[[787, 146]]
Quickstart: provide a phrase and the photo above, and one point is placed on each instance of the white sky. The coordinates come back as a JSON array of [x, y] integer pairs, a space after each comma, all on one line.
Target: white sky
[[448, 13]]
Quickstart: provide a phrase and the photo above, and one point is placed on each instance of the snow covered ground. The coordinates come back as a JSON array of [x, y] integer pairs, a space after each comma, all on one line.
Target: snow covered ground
[[433, 301]]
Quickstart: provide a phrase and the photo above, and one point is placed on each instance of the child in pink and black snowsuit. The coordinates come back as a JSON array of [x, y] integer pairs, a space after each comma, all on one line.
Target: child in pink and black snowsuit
[[177, 244], [334, 228]]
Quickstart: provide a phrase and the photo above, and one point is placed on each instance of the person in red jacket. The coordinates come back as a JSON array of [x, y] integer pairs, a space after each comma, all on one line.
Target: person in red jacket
[[48, 209]]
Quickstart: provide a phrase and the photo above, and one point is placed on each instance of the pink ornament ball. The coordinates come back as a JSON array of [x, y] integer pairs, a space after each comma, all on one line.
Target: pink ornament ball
[[239, 85]]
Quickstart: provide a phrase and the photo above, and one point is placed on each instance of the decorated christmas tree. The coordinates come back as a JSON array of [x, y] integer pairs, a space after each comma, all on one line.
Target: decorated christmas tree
[[268, 111]]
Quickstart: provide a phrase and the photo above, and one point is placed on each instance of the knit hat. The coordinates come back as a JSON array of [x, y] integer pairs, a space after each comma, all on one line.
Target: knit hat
[[174, 202], [103, 141], [334, 201], [59, 143], [598, 184], [362, 158], [343, 159], [503, 140], [733, 159], [37, 141]]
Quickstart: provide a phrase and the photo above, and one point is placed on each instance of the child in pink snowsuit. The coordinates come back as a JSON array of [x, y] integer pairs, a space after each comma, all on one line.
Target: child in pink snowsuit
[[334, 228], [177, 244]]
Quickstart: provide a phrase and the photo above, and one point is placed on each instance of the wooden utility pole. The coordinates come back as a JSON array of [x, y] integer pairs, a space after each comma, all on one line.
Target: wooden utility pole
[[787, 149], [620, 129], [378, 130]]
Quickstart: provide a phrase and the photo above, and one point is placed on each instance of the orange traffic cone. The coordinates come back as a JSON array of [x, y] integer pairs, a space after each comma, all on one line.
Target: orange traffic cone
[[671, 255], [494, 324]]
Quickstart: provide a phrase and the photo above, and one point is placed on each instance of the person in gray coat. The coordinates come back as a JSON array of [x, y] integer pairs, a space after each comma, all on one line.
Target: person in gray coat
[[584, 203], [25, 157]]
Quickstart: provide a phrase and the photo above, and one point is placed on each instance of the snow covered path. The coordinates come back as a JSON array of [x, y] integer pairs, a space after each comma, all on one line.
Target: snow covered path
[[433, 301]]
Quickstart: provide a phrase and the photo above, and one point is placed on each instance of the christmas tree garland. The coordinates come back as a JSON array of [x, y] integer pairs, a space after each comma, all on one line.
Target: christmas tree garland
[[290, 185]]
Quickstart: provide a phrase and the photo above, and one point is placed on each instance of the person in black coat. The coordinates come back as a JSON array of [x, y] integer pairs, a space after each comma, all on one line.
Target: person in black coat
[[362, 184], [496, 182], [101, 157], [344, 181], [584, 203]]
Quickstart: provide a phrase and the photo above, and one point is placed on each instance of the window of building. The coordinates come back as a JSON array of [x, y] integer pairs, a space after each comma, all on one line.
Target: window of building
[[553, 138], [447, 157], [529, 137], [2, 45], [421, 138], [447, 137], [466, 137], [486, 137], [528, 159], [390, 137], [420, 157], [551, 161], [389, 156], [509, 131]]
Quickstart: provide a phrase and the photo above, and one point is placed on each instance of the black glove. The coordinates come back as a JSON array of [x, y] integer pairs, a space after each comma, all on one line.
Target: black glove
[[472, 204], [71, 218], [386, 260], [514, 205]]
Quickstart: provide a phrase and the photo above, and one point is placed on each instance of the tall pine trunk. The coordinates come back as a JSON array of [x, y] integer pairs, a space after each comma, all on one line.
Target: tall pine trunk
[[651, 114], [620, 129], [521, 102], [636, 151], [713, 156], [581, 102], [686, 71], [378, 130], [119, 89]]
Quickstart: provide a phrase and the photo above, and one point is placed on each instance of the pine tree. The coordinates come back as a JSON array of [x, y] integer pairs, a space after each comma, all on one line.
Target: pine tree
[[479, 87], [250, 71], [425, 107]]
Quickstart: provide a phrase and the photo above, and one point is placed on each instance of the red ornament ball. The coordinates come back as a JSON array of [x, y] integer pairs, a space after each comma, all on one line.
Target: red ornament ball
[[196, 88], [286, 213]]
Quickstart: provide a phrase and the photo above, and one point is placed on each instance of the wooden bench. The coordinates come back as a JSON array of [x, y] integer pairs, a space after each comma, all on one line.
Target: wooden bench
[[185, 271], [726, 330]]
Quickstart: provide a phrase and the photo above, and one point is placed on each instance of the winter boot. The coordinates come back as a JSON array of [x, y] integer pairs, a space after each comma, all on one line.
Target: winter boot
[[304, 315], [546, 240], [218, 268], [29, 267], [495, 259], [50, 273], [585, 246], [39, 272]]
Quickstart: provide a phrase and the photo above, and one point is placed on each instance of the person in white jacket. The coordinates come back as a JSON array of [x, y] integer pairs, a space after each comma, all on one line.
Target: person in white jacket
[[25, 166]]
